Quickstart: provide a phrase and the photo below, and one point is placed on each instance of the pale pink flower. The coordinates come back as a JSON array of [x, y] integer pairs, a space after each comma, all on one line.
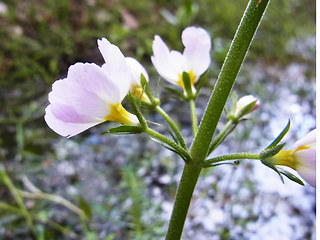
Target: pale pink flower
[[194, 60], [302, 158], [90, 95], [134, 67]]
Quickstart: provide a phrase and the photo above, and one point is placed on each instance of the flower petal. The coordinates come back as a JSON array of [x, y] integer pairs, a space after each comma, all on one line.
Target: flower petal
[[86, 81], [197, 44], [308, 174], [115, 66], [168, 64], [136, 69], [308, 140], [66, 129]]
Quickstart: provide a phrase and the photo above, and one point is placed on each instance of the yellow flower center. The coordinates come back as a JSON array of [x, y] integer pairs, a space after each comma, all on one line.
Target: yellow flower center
[[284, 158], [303, 147], [192, 80], [288, 158], [137, 91], [119, 114]]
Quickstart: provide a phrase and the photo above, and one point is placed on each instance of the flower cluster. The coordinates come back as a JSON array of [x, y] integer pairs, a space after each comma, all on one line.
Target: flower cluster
[[91, 94]]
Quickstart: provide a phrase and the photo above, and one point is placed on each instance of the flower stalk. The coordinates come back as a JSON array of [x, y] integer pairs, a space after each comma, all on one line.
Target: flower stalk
[[235, 156], [173, 126]]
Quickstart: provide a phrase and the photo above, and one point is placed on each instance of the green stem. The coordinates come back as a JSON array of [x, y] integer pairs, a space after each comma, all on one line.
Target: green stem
[[193, 117], [180, 150], [231, 66], [172, 125], [187, 184], [199, 148], [225, 131], [235, 156]]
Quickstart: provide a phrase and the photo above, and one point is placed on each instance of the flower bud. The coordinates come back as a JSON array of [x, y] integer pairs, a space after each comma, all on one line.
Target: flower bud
[[245, 105]]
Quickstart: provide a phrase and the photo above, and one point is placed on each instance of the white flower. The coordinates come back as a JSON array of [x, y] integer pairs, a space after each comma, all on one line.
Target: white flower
[[134, 67], [136, 70], [90, 95], [302, 158], [194, 60]]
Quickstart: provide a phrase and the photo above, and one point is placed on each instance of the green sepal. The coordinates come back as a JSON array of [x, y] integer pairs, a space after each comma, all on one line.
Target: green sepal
[[247, 109], [176, 92], [291, 176], [125, 129], [280, 136], [267, 153], [187, 85], [233, 104], [136, 110], [146, 87], [202, 81], [274, 169]]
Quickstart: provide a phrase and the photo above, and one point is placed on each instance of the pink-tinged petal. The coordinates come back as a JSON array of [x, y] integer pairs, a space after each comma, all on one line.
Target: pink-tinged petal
[[304, 152], [308, 174], [94, 79], [136, 69], [308, 140], [110, 52], [65, 93], [115, 66], [197, 44], [306, 157], [167, 63], [66, 129]]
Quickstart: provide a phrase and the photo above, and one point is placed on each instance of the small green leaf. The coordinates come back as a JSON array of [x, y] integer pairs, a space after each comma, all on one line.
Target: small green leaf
[[85, 207], [175, 92], [235, 163], [125, 129], [280, 136], [291, 176], [170, 148], [274, 169]]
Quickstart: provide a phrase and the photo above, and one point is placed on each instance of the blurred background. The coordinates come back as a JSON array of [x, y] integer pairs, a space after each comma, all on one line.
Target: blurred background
[[125, 185]]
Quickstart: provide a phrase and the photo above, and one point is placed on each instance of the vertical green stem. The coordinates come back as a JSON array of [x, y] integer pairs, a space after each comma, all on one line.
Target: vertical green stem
[[193, 117], [199, 148], [187, 184], [231, 66]]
